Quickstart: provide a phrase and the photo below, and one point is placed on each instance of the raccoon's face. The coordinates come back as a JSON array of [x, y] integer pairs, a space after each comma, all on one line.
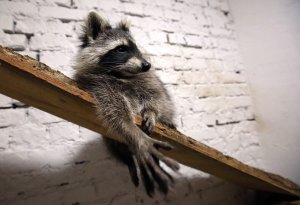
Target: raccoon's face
[[109, 50]]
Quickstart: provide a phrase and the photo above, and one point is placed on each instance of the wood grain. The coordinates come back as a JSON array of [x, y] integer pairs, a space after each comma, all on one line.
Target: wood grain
[[35, 84]]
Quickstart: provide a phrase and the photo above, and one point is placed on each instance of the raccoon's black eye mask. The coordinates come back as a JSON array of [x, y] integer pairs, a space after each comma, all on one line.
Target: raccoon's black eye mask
[[119, 55], [116, 57], [122, 49]]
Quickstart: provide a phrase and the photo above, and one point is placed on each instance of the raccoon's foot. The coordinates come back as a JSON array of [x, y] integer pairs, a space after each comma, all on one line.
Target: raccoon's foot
[[147, 157], [148, 122]]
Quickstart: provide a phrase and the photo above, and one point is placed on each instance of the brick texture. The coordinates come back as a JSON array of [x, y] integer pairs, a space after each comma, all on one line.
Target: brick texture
[[192, 44]]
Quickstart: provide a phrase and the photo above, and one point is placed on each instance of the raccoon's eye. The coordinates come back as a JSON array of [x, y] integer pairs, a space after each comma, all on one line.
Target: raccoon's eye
[[121, 49]]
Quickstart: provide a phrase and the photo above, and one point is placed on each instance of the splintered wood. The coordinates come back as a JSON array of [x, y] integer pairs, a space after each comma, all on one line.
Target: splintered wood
[[35, 84]]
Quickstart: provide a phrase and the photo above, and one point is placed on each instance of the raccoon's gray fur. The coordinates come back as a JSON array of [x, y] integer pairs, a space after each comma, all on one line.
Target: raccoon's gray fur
[[110, 66]]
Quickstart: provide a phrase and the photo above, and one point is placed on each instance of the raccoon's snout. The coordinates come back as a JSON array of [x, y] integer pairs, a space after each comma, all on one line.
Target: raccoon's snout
[[145, 66]]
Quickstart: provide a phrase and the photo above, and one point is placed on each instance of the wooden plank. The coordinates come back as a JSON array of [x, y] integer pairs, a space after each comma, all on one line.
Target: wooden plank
[[35, 84]]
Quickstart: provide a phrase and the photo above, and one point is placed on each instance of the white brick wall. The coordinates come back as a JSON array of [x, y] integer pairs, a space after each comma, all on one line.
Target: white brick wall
[[46, 160]]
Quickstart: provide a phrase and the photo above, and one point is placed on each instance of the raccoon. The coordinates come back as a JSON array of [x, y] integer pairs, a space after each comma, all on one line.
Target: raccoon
[[111, 67]]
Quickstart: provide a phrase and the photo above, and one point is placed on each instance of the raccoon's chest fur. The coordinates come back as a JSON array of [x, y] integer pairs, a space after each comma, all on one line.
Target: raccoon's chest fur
[[141, 92], [145, 90]]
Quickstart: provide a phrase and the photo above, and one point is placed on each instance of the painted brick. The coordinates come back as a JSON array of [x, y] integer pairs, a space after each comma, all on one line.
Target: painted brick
[[195, 41], [227, 44], [34, 26], [28, 136], [63, 3], [198, 53], [246, 127], [84, 5], [133, 9], [161, 25], [176, 38], [157, 37], [153, 11], [193, 3], [5, 139], [51, 42], [56, 59], [63, 132], [200, 131], [231, 77], [62, 13], [12, 117], [221, 90], [235, 115], [6, 22], [166, 3], [173, 14], [18, 8], [164, 49], [40, 2], [220, 4], [140, 36], [169, 77], [222, 32], [217, 18], [183, 65], [197, 63], [101, 5], [192, 18], [185, 91], [215, 65], [5, 101], [40, 117], [195, 77], [16, 42], [183, 106], [29, 53], [212, 105], [164, 63]]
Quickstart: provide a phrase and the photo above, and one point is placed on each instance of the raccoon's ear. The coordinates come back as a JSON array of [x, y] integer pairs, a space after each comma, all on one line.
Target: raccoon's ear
[[124, 25], [96, 24]]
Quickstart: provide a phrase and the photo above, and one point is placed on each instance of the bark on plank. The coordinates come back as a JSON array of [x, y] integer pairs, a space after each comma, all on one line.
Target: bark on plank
[[35, 84]]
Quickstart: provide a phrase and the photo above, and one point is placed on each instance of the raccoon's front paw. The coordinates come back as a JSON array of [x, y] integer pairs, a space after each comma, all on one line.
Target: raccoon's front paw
[[148, 157]]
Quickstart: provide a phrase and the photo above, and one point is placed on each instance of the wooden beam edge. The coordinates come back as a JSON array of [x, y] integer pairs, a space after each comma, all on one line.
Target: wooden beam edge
[[58, 80]]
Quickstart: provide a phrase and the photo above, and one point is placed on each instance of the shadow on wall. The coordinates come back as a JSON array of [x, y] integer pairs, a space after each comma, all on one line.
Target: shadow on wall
[[92, 176]]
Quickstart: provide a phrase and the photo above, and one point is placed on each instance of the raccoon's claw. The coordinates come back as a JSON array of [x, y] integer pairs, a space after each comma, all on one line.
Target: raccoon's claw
[[133, 171], [148, 124], [168, 161], [160, 144]]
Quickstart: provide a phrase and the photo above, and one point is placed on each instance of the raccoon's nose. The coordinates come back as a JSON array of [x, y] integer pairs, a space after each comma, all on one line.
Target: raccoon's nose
[[146, 66]]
